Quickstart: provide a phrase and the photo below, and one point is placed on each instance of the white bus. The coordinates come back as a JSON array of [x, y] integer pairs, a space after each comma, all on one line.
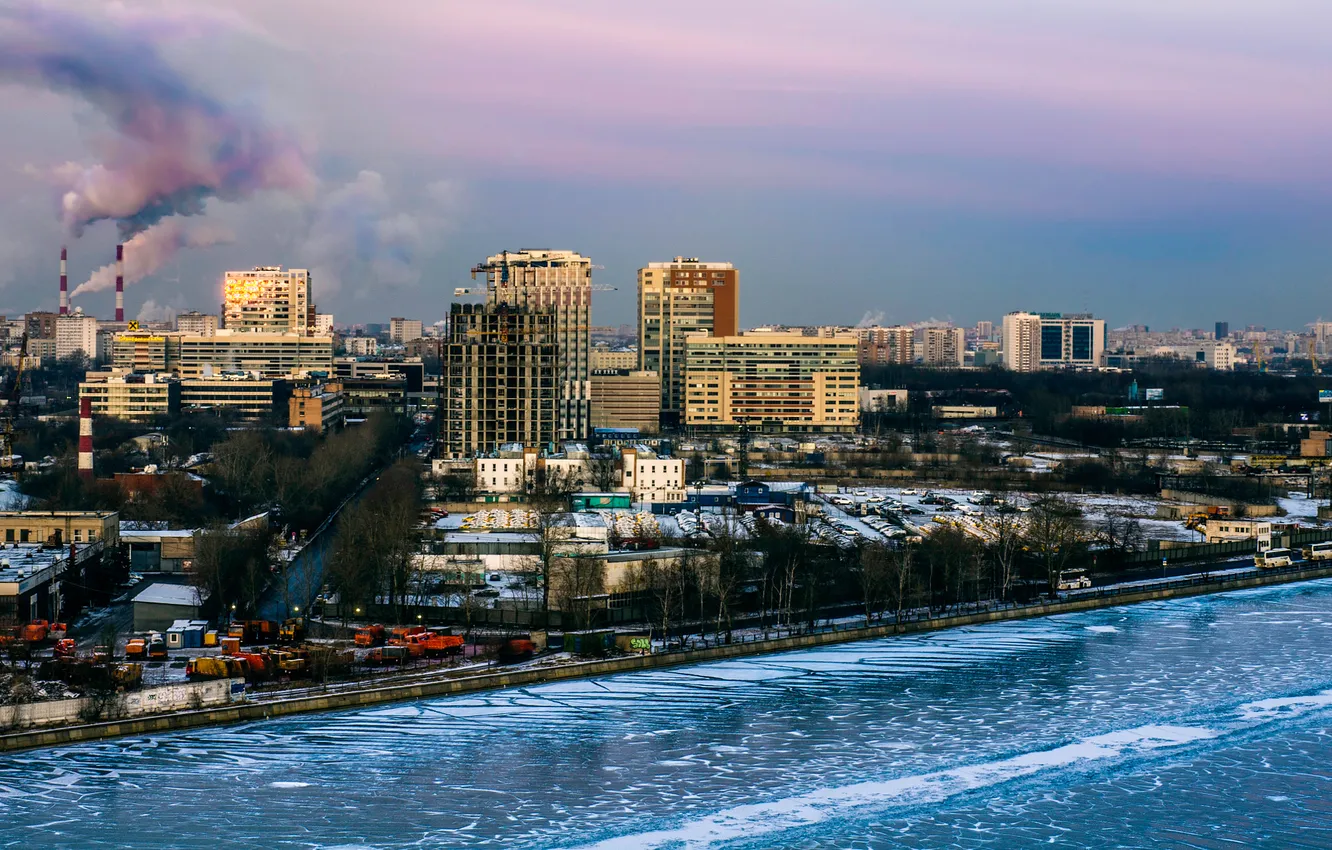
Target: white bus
[[1274, 558], [1318, 551]]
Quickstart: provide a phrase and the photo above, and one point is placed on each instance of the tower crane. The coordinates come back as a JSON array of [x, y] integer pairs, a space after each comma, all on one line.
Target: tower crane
[[10, 412]]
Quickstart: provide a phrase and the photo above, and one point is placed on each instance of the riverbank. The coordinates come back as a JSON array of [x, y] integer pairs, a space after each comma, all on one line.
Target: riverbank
[[334, 701]]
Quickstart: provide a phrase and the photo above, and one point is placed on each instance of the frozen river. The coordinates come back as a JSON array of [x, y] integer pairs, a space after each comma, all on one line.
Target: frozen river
[[1200, 723]]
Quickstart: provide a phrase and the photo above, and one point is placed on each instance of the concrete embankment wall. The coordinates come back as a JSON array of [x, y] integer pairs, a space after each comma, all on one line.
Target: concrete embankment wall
[[251, 711], [136, 703]]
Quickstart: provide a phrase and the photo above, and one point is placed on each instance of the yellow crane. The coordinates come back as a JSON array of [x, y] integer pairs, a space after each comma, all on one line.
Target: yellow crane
[[1313, 357], [10, 412]]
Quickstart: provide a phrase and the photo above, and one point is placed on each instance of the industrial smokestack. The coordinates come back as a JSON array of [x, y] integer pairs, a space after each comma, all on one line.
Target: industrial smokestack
[[120, 283], [64, 281], [85, 439]]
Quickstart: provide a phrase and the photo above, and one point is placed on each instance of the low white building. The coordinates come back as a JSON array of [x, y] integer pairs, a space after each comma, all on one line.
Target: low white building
[[1233, 529], [882, 401], [651, 478]]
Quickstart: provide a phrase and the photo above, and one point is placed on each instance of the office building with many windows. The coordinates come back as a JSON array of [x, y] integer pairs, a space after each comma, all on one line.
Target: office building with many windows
[[773, 382], [1052, 340], [675, 299]]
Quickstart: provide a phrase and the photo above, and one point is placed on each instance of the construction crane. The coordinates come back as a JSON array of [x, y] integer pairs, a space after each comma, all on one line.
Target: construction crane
[[1313, 357], [10, 412]]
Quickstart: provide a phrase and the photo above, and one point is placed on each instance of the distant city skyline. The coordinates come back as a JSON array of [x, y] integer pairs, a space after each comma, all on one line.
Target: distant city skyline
[[1151, 165]]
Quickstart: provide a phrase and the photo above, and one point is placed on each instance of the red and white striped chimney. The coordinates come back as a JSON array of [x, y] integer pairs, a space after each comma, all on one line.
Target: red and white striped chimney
[[120, 283], [64, 281], [85, 439]]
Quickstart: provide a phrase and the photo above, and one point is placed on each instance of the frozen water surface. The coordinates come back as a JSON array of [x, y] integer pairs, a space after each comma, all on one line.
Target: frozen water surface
[[1194, 723]]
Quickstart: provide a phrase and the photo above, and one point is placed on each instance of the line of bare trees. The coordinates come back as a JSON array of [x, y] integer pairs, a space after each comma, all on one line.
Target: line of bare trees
[[374, 551]]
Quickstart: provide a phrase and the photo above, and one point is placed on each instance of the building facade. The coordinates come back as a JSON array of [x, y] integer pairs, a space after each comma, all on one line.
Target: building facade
[[132, 397], [76, 334], [675, 299], [561, 282], [501, 379], [404, 330], [237, 394], [315, 407], [944, 347], [270, 355], [267, 299], [773, 381], [622, 398], [882, 346], [195, 323], [1052, 340]]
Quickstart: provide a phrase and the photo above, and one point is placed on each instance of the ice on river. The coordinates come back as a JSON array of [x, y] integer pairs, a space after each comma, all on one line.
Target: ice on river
[[1199, 719]]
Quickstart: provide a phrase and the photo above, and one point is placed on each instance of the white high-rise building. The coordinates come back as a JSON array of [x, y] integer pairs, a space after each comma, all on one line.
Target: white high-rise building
[[75, 333], [1052, 340], [269, 300]]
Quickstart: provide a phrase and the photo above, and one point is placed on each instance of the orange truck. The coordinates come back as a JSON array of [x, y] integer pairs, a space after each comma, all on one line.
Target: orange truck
[[517, 649], [437, 645], [36, 631], [136, 648], [65, 648], [370, 636], [254, 631], [382, 655]]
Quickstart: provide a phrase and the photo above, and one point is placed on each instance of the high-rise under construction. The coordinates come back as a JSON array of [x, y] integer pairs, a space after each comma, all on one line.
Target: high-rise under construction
[[560, 281], [501, 373]]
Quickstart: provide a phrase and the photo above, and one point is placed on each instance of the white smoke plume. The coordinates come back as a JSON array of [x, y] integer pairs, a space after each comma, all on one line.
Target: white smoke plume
[[154, 312], [150, 249], [871, 319], [171, 146], [360, 237]]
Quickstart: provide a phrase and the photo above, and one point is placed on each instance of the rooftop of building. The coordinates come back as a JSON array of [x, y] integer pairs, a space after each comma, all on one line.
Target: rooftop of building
[[20, 561], [171, 594]]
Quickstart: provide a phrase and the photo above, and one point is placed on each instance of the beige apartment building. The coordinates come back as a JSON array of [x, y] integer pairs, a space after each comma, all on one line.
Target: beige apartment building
[[270, 355], [944, 347], [131, 397], [880, 346], [773, 381], [623, 398], [676, 299]]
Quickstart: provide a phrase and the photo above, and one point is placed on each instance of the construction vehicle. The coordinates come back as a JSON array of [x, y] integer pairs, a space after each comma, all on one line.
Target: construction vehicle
[[1197, 520], [157, 648], [370, 635], [65, 648], [437, 645], [36, 631], [292, 630], [384, 655], [207, 667], [136, 648], [517, 649], [253, 631]]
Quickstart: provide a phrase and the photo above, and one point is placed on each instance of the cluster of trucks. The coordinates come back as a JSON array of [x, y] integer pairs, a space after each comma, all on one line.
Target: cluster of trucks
[[66, 664]]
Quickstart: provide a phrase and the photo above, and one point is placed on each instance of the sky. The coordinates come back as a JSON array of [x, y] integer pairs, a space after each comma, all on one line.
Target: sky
[[1153, 163]]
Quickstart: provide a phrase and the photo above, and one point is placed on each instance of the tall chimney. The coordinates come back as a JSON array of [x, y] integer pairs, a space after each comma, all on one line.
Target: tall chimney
[[120, 283], [64, 281], [85, 439]]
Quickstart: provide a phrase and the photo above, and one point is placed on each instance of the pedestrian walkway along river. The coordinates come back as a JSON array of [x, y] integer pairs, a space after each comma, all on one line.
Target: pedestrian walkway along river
[[1201, 722]]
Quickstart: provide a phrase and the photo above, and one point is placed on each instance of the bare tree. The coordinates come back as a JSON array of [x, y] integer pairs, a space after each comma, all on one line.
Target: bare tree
[[876, 576], [604, 472], [578, 583], [1054, 536]]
